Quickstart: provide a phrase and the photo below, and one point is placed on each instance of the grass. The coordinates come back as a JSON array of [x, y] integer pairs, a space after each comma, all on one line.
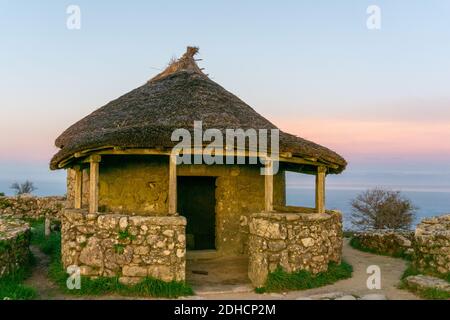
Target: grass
[[356, 244], [279, 280], [12, 287], [101, 285], [431, 294]]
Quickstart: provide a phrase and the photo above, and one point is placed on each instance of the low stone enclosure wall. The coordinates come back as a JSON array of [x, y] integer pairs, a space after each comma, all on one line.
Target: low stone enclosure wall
[[432, 245], [389, 242], [14, 245], [293, 241], [30, 207], [428, 247], [131, 247]]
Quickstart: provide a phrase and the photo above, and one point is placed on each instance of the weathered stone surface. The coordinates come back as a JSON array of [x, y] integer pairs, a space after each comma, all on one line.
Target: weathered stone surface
[[14, 245], [432, 245], [293, 241], [427, 282], [390, 242], [374, 296], [31, 207], [107, 246]]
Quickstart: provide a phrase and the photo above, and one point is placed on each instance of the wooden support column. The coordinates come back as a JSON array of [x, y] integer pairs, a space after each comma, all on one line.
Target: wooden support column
[[172, 184], [268, 186], [94, 162], [320, 189], [78, 186]]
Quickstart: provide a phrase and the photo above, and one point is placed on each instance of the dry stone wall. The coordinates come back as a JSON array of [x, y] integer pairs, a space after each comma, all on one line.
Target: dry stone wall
[[389, 242], [432, 245], [130, 247], [14, 245], [31, 207], [293, 241]]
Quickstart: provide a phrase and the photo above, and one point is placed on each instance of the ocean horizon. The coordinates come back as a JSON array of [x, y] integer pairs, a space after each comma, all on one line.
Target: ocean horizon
[[431, 201]]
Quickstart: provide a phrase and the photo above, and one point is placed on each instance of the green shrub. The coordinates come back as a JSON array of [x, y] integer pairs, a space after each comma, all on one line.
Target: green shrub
[[280, 280]]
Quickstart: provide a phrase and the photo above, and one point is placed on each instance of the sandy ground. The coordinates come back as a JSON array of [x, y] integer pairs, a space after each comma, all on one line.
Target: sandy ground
[[235, 286]]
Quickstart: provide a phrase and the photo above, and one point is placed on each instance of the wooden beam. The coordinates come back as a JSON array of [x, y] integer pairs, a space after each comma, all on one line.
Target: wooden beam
[[268, 186], [78, 187], [320, 189], [173, 184], [93, 185]]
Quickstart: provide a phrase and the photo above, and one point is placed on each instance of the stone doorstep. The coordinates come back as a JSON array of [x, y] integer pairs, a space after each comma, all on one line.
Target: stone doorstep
[[223, 289], [428, 282]]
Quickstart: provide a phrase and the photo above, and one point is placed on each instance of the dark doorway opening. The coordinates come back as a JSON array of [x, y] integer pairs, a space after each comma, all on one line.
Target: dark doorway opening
[[197, 201]]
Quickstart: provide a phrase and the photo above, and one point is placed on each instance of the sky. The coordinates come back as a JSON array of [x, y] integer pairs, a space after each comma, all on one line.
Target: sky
[[380, 98]]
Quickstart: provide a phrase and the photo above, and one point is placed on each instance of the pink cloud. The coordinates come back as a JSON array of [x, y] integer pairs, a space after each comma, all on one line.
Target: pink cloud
[[362, 138]]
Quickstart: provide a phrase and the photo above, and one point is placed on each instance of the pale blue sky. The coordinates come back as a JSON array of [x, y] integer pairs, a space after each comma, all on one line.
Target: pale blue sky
[[295, 62]]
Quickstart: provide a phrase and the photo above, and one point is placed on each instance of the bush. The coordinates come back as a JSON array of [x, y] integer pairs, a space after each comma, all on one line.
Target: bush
[[2, 194], [382, 209], [280, 280], [23, 188]]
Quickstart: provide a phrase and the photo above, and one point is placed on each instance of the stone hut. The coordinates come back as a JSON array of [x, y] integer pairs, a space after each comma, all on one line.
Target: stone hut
[[134, 209]]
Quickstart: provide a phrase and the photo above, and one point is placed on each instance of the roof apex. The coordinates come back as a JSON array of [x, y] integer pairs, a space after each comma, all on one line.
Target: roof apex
[[185, 63]]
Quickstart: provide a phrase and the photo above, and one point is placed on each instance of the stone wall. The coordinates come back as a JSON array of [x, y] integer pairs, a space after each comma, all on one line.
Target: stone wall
[[139, 185], [432, 245], [389, 242], [293, 241], [14, 245], [31, 207], [131, 247]]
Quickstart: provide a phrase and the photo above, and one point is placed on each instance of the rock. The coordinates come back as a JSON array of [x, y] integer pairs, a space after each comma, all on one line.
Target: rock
[[92, 254], [423, 282], [374, 296], [308, 242], [134, 271], [329, 295], [346, 297]]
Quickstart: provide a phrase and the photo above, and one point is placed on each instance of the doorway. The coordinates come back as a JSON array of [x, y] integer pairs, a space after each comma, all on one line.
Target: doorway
[[196, 200]]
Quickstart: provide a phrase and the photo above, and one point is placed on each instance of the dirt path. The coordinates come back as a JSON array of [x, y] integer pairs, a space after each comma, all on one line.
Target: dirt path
[[46, 289], [391, 271]]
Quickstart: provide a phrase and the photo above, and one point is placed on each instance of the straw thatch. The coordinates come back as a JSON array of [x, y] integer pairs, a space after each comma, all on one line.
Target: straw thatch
[[175, 98]]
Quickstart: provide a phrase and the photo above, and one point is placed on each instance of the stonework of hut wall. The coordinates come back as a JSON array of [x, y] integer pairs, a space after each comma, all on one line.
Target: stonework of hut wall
[[130, 247], [139, 186], [293, 241]]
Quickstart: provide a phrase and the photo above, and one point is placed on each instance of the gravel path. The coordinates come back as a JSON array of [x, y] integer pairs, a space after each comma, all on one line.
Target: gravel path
[[391, 271]]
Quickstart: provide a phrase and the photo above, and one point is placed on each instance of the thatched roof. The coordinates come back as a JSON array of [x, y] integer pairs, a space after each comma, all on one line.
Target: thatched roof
[[175, 98]]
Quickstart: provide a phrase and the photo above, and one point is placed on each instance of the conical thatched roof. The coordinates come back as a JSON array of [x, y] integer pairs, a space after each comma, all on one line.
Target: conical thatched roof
[[175, 98]]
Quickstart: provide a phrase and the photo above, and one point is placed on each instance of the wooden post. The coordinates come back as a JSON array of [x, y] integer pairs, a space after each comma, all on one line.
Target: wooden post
[[93, 183], [320, 189], [47, 226], [172, 184], [78, 188], [268, 186]]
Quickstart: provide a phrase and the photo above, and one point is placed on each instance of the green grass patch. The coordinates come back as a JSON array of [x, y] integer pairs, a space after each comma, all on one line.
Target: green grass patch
[[12, 287], [356, 244], [279, 280], [101, 285]]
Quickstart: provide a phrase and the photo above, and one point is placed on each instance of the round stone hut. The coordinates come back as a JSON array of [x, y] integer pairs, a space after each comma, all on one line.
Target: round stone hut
[[134, 209]]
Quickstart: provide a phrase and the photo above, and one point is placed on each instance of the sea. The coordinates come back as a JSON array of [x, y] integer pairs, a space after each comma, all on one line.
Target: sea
[[430, 192]]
